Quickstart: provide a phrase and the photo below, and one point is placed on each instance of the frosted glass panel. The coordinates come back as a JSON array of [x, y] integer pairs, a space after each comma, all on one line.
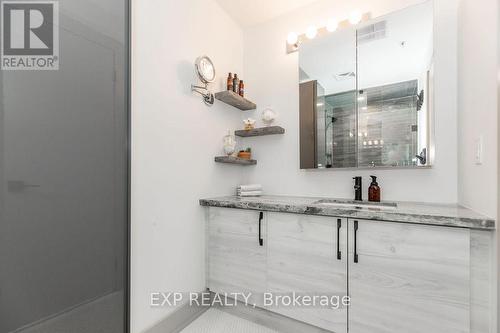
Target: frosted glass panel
[[63, 172]]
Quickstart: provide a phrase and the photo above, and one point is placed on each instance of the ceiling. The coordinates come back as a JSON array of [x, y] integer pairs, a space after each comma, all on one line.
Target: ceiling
[[248, 13]]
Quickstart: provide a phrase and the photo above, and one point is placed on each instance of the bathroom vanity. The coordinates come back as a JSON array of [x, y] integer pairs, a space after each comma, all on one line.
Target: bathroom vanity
[[407, 267]]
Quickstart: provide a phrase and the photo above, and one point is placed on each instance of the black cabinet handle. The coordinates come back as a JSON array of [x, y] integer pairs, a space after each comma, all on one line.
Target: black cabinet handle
[[261, 217], [356, 259], [339, 225]]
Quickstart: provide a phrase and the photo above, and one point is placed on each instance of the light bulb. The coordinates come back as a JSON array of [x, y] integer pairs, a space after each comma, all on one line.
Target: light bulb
[[355, 17], [311, 32], [292, 38], [332, 25]]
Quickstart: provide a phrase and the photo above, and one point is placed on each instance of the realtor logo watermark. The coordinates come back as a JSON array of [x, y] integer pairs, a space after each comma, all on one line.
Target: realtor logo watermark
[[29, 35]]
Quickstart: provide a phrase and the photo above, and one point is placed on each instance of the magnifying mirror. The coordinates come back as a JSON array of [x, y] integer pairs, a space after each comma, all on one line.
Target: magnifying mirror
[[205, 69], [206, 72]]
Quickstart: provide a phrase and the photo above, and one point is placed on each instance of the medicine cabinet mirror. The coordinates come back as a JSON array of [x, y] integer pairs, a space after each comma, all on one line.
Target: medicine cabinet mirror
[[366, 94]]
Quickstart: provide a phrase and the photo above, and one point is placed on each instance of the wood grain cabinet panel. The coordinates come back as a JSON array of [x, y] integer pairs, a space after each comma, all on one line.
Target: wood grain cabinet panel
[[408, 278], [302, 258], [236, 261]]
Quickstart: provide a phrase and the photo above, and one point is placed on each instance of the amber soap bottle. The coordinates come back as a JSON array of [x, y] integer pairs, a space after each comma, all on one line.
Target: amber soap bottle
[[374, 190], [230, 82], [241, 89]]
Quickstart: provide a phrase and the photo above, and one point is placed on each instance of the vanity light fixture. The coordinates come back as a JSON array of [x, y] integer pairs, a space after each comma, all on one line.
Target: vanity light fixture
[[294, 40], [311, 32], [332, 25], [355, 17]]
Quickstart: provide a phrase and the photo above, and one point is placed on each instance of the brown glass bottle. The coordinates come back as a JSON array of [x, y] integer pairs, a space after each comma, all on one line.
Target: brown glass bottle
[[241, 89], [374, 190], [236, 83], [230, 81]]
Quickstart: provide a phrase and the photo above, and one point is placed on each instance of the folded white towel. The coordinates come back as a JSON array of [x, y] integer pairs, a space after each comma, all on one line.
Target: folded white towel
[[251, 187], [249, 194]]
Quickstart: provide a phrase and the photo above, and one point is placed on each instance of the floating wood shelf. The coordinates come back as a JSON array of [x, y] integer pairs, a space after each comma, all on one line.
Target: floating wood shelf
[[271, 130], [234, 160], [235, 100]]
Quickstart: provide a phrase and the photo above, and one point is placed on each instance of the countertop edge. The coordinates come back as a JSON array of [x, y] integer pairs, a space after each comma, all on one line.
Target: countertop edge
[[484, 224]]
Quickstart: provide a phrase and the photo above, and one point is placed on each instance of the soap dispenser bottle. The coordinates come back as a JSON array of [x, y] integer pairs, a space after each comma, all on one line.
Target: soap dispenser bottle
[[374, 190], [358, 188]]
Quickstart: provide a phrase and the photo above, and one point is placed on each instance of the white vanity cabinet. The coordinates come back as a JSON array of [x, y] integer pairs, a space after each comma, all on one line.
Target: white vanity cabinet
[[400, 277], [236, 254], [308, 254], [408, 278]]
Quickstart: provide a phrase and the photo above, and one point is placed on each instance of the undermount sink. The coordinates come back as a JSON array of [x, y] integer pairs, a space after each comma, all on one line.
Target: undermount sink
[[357, 205]]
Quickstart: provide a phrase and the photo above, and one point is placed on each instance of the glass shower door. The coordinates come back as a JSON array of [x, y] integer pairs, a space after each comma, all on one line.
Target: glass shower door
[[63, 167]]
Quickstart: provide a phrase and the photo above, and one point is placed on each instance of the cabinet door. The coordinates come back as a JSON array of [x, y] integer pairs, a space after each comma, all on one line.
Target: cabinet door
[[236, 259], [408, 278], [304, 256]]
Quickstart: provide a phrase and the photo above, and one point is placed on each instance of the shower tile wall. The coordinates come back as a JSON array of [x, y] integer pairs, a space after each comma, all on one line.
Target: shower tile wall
[[387, 127]]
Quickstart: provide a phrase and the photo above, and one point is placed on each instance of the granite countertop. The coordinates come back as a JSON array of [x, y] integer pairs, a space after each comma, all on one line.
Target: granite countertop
[[406, 212]]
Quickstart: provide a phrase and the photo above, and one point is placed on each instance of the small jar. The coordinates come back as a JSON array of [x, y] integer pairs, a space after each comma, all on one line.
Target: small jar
[[229, 142]]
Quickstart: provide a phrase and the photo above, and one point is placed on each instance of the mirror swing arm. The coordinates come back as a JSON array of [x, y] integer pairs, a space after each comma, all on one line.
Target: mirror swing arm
[[208, 96]]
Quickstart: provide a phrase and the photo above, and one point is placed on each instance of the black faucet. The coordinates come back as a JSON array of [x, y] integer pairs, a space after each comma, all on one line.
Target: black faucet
[[358, 188]]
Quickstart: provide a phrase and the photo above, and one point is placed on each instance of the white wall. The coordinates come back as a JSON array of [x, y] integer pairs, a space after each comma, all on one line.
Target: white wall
[[272, 80], [477, 99], [478, 112], [174, 140]]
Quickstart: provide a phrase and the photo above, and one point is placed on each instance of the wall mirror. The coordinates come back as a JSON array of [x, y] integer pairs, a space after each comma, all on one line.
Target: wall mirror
[[366, 94]]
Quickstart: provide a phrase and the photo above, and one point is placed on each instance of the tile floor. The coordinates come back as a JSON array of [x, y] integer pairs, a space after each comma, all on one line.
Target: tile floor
[[216, 321]]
